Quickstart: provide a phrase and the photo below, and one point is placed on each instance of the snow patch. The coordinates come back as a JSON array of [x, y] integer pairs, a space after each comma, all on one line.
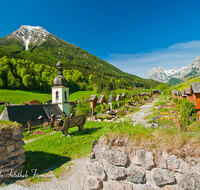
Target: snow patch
[[33, 34]]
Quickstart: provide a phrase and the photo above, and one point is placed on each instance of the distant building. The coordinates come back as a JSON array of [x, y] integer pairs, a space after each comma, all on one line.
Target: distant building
[[34, 102]]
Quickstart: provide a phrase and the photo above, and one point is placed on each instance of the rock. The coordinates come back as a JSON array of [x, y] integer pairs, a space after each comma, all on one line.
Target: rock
[[184, 167], [2, 142], [10, 148], [21, 159], [3, 156], [173, 163], [93, 182], [96, 168], [115, 157], [94, 143], [127, 186], [92, 156], [18, 137], [114, 172], [162, 176], [19, 144], [145, 187], [16, 152], [2, 149], [170, 187], [167, 161], [113, 185], [162, 161], [189, 181], [144, 158], [136, 174], [18, 131]]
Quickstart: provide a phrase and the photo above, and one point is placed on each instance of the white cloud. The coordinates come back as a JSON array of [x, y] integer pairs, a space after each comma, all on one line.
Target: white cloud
[[179, 55]]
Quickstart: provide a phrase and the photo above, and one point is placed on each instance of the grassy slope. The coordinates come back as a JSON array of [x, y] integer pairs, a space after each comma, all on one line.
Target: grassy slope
[[20, 96], [186, 84]]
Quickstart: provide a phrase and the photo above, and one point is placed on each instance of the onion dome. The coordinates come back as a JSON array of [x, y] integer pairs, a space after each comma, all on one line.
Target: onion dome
[[59, 79]]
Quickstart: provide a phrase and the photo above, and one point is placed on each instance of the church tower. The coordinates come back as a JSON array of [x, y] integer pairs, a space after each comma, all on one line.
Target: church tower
[[60, 93]]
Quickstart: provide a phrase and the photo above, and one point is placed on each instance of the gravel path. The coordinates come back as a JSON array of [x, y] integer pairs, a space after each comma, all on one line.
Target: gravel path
[[138, 117], [75, 178]]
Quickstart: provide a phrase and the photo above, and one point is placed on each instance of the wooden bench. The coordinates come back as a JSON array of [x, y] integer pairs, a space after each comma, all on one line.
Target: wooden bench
[[72, 121]]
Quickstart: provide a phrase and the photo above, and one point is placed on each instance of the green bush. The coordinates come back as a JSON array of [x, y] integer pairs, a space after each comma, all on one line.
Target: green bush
[[83, 108], [187, 112]]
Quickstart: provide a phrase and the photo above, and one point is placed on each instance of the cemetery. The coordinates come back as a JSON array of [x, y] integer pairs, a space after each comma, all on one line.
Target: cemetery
[[60, 131]]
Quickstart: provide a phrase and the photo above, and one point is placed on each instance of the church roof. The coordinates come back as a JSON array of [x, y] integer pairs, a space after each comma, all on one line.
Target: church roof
[[59, 80], [22, 114]]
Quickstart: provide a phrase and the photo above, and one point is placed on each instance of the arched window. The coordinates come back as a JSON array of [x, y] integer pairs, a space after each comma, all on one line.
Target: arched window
[[57, 97], [65, 96]]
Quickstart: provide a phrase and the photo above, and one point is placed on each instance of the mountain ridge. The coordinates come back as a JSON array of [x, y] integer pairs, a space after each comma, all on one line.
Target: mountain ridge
[[163, 75]]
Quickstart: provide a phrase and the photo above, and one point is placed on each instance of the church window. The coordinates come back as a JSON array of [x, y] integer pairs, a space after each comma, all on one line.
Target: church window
[[65, 96], [57, 97]]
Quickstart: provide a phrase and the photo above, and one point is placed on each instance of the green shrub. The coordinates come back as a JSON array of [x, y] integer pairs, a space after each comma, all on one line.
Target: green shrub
[[97, 109], [187, 112]]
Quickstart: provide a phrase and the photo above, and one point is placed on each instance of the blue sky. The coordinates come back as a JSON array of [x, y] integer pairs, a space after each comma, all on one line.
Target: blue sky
[[133, 35]]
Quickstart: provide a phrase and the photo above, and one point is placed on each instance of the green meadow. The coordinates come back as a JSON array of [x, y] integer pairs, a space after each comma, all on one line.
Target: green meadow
[[20, 96]]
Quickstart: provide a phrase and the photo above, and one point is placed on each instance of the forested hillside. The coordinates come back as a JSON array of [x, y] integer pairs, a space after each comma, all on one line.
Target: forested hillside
[[25, 74]]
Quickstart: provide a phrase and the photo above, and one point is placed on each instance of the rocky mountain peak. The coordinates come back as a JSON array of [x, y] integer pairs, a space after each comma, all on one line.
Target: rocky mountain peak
[[163, 75], [31, 34]]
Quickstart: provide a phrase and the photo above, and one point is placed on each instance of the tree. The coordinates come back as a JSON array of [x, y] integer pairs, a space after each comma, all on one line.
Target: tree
[[27, 81]]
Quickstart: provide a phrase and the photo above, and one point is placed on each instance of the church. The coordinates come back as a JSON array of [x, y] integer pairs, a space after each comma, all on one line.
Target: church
[[60, 104]]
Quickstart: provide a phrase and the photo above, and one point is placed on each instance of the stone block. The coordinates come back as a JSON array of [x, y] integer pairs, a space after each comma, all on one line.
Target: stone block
[[144, 158], [3, 156], [10, 148], [19, 144], [170, 187], [93, 183], [96, 168], [162, 160], [184, 167], [16, 152], [2, 149], [10, 168], [173, 163], [145, 187], [115, 157], [9, 141], [162, 176], [127, 185], [189, 181], [18, 131], [113, 185], [136, 174], [114, 172], [21, 159], [2, 142], [18, 137]]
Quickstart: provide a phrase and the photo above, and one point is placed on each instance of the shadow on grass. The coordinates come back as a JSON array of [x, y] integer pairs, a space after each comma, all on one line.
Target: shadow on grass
[[86, 132], [43, 162]]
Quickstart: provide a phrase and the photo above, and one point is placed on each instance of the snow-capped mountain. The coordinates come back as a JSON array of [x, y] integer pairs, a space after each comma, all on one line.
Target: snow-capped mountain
[[163, 75], [30, 35]]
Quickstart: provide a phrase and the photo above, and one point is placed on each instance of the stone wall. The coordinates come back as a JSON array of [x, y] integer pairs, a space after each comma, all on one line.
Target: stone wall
[[112, 168], [11, 151]]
